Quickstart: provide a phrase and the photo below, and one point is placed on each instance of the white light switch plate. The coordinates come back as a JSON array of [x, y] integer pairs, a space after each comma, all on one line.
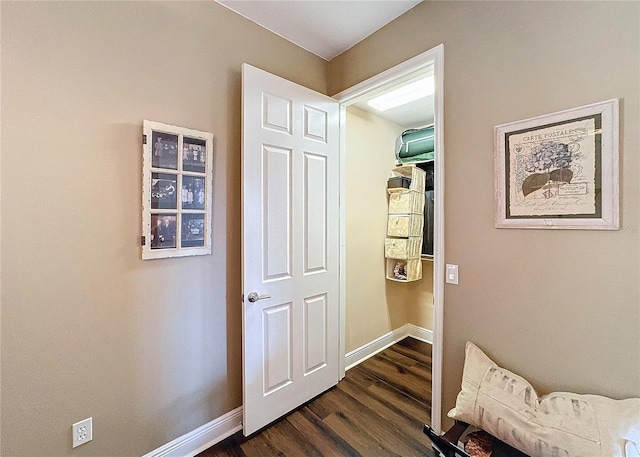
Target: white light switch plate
[[452, 274]]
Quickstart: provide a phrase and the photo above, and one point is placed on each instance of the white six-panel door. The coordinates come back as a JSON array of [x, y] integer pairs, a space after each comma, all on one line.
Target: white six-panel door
[[290, 236]]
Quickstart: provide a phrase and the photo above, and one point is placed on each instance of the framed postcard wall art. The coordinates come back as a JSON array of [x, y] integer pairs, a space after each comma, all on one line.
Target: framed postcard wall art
[[560, 170], [176, 191]]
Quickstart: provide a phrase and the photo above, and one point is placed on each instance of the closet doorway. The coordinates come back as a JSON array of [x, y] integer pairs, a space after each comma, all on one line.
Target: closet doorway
[[362, 214]]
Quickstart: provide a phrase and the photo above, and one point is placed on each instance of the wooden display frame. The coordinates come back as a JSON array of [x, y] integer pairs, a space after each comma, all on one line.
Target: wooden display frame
[[177, 191]]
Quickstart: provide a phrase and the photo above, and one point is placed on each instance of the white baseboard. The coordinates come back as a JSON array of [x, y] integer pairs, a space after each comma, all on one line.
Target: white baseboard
[[192, 443], [370, 349], [420, 333]]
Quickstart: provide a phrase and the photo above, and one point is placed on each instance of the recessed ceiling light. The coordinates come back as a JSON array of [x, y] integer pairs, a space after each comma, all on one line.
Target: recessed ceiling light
[[412, 91]]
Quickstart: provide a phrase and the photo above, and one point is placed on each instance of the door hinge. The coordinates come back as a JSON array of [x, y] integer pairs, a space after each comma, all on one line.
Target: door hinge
[[143, 240], [144, 139]]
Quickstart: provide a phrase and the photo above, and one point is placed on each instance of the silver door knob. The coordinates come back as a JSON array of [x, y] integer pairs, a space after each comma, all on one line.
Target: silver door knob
[[254, 297]]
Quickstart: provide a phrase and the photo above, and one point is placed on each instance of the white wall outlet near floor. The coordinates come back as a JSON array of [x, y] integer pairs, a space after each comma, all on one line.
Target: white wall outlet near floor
[[452, 274], [82, 431]]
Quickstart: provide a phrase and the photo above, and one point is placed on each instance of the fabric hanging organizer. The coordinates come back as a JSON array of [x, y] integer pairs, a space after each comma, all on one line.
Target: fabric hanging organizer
[[415, 145]]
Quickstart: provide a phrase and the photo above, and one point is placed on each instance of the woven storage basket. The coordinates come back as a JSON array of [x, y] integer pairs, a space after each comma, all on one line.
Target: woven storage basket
[[405, 225], [416, 174], [408, 201], [402, 248], [410, 270]]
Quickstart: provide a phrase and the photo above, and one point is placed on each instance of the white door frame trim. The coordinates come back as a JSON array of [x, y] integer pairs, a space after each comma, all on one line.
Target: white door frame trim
[[435, 57]]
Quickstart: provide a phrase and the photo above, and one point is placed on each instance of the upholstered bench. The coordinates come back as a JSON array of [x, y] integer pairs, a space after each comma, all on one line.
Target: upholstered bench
[[457, 441], [560, 424]]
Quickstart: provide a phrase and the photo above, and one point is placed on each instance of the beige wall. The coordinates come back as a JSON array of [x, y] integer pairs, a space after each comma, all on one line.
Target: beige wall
[[418, 297], [150, 349], [374, 305], [560, 307]]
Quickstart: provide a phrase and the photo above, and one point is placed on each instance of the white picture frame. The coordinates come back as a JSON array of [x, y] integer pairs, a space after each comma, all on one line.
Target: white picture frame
[[560, 170], [177, 191]]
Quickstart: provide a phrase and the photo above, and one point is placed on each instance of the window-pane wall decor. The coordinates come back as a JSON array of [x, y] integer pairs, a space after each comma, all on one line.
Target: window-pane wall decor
[[176, 191]]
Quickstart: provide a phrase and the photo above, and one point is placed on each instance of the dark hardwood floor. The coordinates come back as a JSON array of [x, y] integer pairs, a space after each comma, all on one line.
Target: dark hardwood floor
[[377, 410]]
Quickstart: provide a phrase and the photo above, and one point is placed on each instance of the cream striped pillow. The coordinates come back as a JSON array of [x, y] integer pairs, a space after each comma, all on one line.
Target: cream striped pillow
[[558, 424]]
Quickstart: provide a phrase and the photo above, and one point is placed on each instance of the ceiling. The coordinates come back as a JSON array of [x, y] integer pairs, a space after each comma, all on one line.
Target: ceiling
[[415, 114], [327, 28]]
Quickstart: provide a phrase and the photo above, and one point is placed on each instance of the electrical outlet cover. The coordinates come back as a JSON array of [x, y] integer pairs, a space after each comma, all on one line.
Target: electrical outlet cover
[[82, 431]]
